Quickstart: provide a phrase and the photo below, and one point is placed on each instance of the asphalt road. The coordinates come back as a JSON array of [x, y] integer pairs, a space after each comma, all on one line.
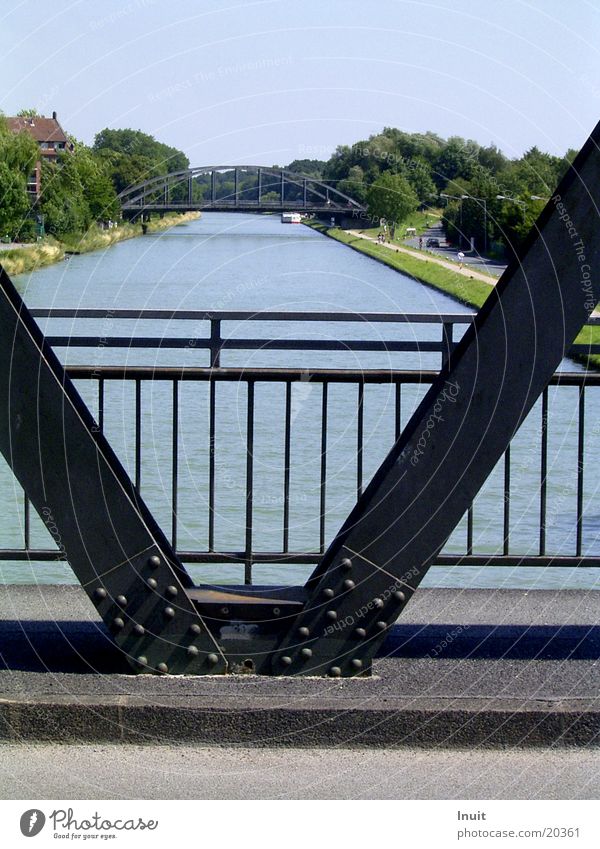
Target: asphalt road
[[160, 772], [478, 262]]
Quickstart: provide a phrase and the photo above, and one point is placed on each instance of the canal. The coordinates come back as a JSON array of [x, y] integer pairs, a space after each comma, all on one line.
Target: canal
[[228, 261]]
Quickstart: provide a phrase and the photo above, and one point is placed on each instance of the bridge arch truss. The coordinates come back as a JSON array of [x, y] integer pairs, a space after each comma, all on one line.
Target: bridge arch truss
[[245, 188]]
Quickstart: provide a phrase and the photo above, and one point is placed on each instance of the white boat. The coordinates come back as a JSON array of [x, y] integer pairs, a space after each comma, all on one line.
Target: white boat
[[291, 218]]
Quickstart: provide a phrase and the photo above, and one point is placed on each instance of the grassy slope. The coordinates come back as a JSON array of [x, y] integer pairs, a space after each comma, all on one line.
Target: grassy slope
[[468, 291], [23, 260]]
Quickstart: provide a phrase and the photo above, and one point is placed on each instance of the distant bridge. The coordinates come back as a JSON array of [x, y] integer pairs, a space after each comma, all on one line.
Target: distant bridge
[[242, 188]]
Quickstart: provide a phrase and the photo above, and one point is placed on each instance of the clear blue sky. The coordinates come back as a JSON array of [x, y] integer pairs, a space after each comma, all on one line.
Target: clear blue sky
[[274, 80]]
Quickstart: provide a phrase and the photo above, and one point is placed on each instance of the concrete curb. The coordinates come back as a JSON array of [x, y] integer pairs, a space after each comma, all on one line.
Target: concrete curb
[[477, 723]]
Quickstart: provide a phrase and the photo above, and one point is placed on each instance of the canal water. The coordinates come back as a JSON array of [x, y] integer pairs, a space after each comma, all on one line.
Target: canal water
[[229, 261]]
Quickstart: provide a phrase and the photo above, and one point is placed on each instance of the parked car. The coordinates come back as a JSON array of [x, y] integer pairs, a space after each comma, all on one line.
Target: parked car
[[432, 243]]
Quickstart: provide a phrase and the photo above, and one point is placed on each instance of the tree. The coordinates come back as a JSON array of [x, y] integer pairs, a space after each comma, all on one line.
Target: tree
[[134, 143], [391, 197], [14, 202]]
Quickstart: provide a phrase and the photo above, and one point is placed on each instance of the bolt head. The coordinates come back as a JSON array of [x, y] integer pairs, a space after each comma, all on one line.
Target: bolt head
[[346, 564], [118, 623], [139, 630], [162, 667], [100, 593], [154, 561], [377, 603], [212, 659], [195, 628], [399, 596], [169, 612], [304, 632], [286, 660], [331, 614], [276, 611], [121, 600], [360, 632], [335, 672], [152, 583], [172, 591], [142, 660], [328, 592], [224, 611], [193, 651], [381, 626], [356, 663], [348, 584], [306, 652]]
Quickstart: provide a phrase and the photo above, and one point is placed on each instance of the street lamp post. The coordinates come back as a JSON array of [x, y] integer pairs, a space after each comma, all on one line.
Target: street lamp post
[[483, 203], [460, 198]]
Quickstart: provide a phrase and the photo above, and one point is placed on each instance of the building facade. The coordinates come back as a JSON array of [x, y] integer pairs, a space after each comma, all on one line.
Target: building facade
[[51, 140]]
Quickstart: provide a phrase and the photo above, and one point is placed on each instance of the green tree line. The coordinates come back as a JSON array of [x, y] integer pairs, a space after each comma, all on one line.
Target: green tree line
[[81, 187], [493, 199]]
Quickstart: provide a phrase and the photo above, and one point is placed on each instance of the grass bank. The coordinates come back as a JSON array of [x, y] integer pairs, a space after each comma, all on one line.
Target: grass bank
[[24, 260], [466, 290]]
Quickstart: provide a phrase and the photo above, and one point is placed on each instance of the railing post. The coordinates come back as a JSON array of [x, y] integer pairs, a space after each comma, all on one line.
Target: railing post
[[259, 185], [237, 187], [215, 343], [213, 186]]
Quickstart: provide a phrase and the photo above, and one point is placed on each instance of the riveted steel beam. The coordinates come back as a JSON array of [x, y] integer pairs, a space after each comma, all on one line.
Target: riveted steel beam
[[84, 497], [465, 422]]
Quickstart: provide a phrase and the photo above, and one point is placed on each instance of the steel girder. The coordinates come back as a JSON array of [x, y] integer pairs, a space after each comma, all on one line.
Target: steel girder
[[336, 623]]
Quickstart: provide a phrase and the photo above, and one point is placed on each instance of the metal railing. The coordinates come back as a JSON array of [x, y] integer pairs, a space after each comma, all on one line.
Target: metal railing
[[399, 383]]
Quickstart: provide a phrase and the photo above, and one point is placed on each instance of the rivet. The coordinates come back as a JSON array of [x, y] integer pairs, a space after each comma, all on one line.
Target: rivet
[[195, 629], [377, 603], [306, 652], [304, 631], [286, 660], [169, 612], [118, 623], [152, 583], [328, 592], [142, 660], [100, 592], [335, 671], [121, 600], [162, 667], [192, 651], [348, 584], [399, 596], [360, 632], [154, 561], [357, 663], [331, 614], [346, 564], [139, 630], [212, 659], [172, 591], [381, 626]]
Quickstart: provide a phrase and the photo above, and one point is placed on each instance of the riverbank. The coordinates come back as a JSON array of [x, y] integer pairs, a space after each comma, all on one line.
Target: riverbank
[[26, 259], [461, 285]]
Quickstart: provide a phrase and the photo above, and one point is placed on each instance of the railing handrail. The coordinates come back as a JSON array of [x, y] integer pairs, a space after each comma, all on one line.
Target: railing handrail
[[263, 315]]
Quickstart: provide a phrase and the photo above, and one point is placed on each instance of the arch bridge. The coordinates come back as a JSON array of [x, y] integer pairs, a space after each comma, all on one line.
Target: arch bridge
[[243, 188]]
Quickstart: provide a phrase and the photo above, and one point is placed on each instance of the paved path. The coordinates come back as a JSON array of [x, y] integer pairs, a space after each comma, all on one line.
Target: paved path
[[428, 257], [186, 772]]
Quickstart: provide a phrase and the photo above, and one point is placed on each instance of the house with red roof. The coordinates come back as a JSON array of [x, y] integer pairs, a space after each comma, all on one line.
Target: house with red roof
[[51, 139]]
